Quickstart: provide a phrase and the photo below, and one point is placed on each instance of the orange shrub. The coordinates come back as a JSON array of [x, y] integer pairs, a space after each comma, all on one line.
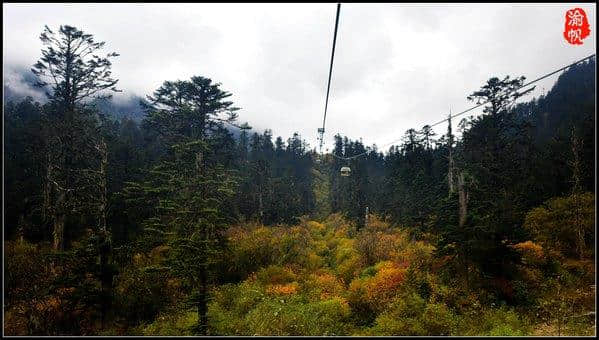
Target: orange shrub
[[282, 289], [383, 285], [530, 251], [379, 290]]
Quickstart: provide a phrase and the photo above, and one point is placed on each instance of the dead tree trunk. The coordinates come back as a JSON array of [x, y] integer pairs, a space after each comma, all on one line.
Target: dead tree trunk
[[59, 220], [450, 175], [21, 228], [65, 167]]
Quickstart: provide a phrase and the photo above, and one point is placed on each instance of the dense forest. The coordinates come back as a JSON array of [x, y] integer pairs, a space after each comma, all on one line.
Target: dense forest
[[188, 222]]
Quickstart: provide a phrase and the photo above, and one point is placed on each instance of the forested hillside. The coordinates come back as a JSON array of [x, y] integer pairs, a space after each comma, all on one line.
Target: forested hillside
[[181, 220]]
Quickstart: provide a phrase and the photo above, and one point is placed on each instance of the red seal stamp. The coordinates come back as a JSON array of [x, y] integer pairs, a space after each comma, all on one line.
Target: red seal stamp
[[577, 26]]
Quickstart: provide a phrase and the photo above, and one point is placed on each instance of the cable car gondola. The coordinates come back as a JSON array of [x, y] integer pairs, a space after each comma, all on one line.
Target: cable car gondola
[[345, 171]]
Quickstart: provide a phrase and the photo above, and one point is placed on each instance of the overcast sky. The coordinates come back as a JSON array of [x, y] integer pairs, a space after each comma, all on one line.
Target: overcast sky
[[397, 66]]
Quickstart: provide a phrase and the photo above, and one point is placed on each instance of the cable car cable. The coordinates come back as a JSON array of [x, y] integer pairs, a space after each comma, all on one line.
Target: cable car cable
[[326, 104], [475, 107], [522, 86]]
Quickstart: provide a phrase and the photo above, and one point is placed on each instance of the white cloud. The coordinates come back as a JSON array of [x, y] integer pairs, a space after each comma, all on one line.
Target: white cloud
[[14, 80], [397, 66]]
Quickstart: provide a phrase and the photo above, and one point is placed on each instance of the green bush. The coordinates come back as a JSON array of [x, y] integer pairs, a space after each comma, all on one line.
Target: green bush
[[368, 272], [248, 309], [250, 249], [501, 321], [141, 295], [412, 315], [565, 224], [178, 323], [294, 317]]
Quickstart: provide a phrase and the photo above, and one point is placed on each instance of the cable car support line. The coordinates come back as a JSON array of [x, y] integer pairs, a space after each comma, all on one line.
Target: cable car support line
[[326, 104]]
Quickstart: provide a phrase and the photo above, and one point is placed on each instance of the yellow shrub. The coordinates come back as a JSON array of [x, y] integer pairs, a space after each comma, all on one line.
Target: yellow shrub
[[336, 222], [316, 226], [276, 275], [314, 261], [329, 285], [350, 267], [417, 253], [320, 247], [347, 259], [375, 223], [357, 291]]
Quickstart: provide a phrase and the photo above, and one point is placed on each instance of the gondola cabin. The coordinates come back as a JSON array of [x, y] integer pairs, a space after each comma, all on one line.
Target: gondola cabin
[[345, 171]]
